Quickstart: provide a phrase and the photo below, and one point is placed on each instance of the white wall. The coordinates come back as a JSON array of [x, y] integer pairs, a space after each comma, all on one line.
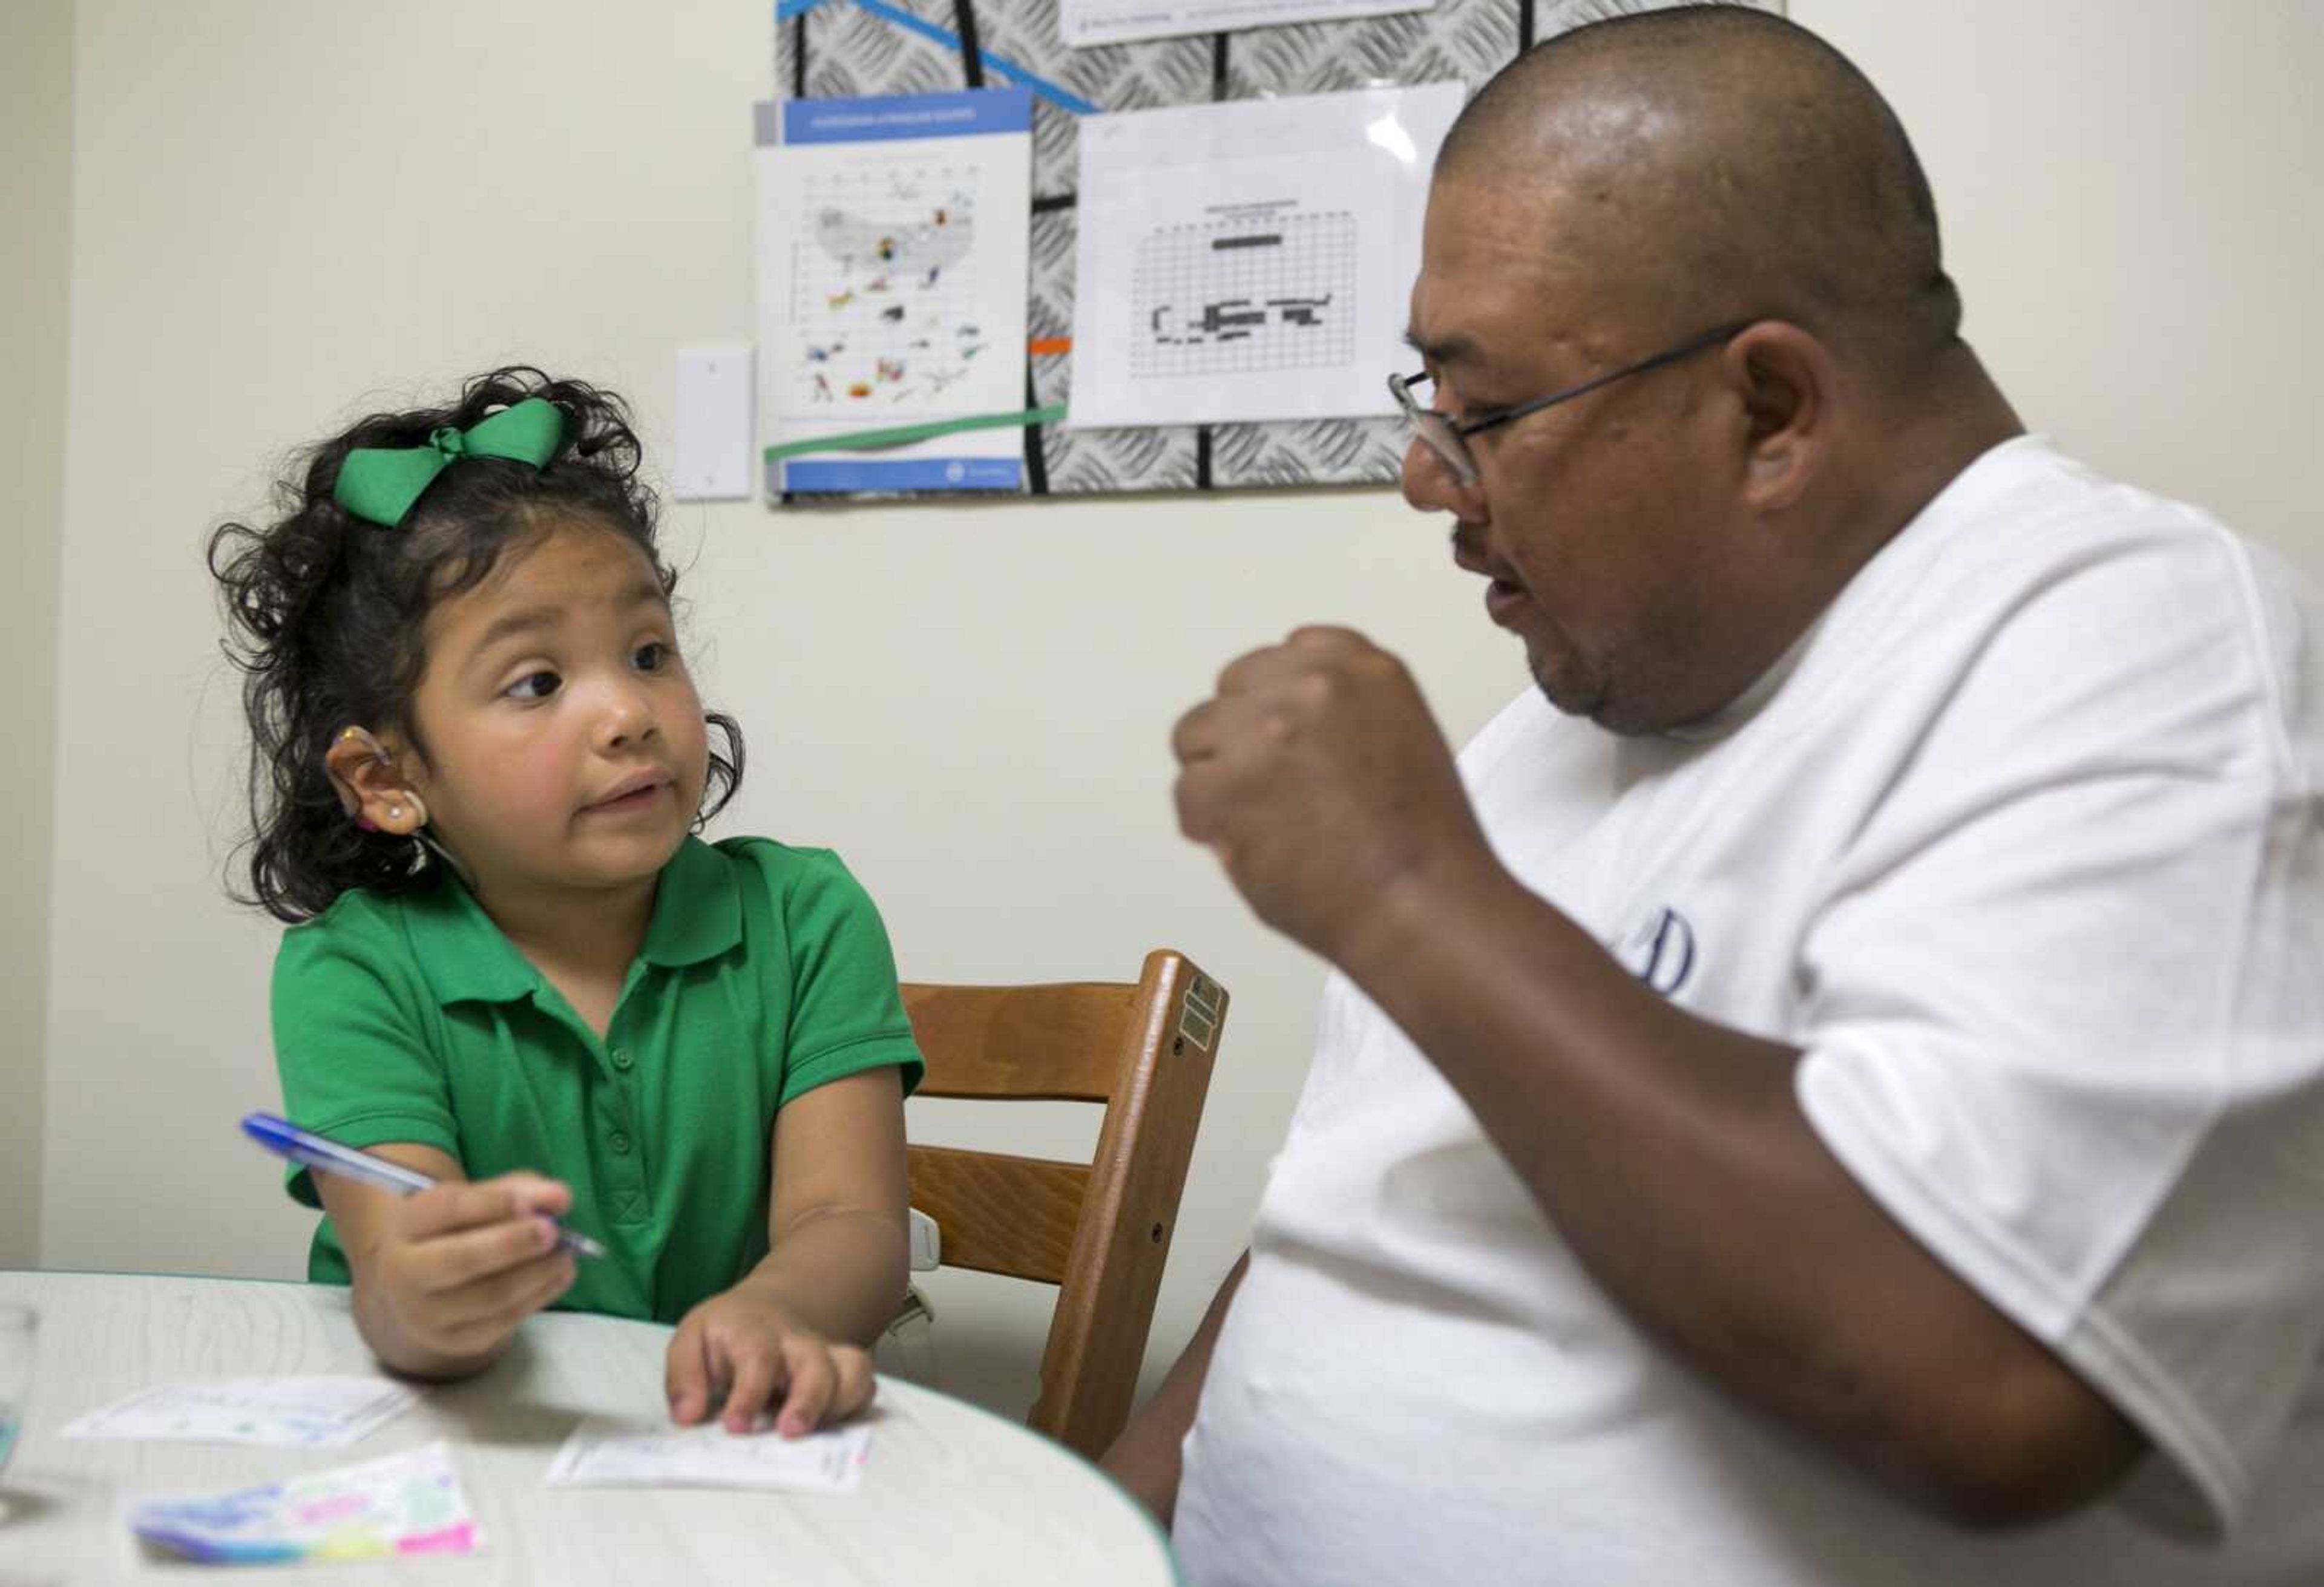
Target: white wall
[[971, 702], [2132, 195], [35, 255]]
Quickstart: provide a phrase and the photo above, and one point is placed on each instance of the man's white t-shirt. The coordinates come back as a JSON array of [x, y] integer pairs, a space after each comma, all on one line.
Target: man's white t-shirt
[[2020, 846]]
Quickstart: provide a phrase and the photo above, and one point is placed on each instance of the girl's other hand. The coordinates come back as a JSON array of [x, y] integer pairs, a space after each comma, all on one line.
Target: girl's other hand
[[460, 1265], [744, 1348]]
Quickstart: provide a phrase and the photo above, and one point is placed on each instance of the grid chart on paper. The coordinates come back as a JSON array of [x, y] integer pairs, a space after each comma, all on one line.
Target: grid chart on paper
[[883, 290], [1250, 292]]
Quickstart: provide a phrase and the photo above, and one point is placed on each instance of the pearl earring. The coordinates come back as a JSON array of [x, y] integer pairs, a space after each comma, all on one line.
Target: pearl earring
[[395, 812]]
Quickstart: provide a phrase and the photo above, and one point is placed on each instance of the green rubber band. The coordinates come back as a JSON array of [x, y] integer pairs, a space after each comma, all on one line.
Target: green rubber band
[[904, 435]]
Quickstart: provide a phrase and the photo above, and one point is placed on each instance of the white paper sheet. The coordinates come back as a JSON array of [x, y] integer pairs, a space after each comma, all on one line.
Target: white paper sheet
[[1085, 23], [893, 236], [1252, 260], [304, 1413], [617, 1454], [394, 1508]]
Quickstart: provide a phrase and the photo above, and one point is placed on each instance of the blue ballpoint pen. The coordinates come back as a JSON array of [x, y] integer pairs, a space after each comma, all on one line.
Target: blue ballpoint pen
[[321, 1153]]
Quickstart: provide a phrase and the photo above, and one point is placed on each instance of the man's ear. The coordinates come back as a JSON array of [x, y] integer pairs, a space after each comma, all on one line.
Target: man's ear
[[1786, 379], [371, 788]]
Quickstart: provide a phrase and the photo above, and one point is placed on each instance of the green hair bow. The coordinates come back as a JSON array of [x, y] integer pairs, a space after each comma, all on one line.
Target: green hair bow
[[380, 484]]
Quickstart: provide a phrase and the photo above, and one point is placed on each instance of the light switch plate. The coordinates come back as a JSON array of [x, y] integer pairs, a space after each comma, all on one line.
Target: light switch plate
[[713, 424]]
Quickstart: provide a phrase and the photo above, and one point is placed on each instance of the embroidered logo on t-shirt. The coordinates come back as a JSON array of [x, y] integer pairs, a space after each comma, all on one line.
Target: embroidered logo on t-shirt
[[1660, 951]]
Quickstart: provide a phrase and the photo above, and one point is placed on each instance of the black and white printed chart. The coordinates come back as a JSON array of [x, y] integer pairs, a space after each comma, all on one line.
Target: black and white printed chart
[[1250, 261], [1262, 287]]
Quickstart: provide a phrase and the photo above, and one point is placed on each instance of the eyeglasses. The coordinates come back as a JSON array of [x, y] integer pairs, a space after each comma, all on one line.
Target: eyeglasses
[[1448, 436]]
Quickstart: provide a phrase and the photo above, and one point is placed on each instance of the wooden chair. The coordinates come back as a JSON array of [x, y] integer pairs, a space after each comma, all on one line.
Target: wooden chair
[[1099, 1231]]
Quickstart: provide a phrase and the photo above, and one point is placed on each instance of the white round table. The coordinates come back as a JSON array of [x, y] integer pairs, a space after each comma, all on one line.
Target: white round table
[[951, 1497]]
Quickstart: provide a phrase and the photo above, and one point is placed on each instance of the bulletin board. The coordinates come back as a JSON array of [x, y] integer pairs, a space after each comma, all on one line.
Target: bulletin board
[[833, 48]]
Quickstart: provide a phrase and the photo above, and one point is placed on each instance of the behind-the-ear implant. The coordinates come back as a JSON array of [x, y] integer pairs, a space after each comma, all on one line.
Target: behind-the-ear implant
[[352, 801]]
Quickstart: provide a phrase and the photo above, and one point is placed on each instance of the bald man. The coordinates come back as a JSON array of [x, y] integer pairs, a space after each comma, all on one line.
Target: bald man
[[1830, 1088]]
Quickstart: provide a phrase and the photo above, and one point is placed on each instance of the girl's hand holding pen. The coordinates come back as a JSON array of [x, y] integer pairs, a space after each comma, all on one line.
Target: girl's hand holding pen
[[444, 1268], [456, 1267]]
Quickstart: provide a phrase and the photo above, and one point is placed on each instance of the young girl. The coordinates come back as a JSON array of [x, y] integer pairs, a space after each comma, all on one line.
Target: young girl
[[478, 763]]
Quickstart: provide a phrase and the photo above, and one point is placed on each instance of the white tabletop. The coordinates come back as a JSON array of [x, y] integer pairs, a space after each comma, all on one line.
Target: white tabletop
[[951, 1494]]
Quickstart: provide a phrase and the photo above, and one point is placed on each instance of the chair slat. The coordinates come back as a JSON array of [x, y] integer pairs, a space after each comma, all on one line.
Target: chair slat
[[999, 1214], [1060, 1041], [1100, 1231], [1097, 1338]]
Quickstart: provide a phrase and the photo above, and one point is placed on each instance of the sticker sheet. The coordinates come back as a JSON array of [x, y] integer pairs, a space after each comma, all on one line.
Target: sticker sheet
[[406, 1504]]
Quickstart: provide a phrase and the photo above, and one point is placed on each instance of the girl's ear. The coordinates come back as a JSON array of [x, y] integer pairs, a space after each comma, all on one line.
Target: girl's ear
[[372, 789]]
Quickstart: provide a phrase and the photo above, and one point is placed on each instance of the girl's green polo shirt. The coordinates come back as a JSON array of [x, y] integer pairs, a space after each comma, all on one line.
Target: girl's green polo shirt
[[765, 973]]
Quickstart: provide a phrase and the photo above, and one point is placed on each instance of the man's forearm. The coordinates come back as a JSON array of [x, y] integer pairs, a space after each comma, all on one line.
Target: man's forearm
[[1674, 1158], [1145, 1458]]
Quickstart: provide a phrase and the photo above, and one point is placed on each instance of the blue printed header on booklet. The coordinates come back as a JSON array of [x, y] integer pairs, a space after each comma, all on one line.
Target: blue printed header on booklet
[[966, 114]]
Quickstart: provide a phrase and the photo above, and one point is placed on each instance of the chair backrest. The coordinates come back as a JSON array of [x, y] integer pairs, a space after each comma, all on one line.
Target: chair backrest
[[1100, 1231]]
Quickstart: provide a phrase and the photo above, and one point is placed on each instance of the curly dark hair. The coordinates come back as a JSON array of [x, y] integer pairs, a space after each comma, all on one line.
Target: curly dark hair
[[325, 613]]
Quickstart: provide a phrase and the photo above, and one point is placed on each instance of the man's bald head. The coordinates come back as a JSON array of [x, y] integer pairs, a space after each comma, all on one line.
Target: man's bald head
[[1712, 163]]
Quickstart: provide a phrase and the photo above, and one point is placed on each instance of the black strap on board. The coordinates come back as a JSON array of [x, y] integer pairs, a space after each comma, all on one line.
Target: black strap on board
[[971, 58], [798, 91], [1218, 92], [971, 71], [1037, 459]]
